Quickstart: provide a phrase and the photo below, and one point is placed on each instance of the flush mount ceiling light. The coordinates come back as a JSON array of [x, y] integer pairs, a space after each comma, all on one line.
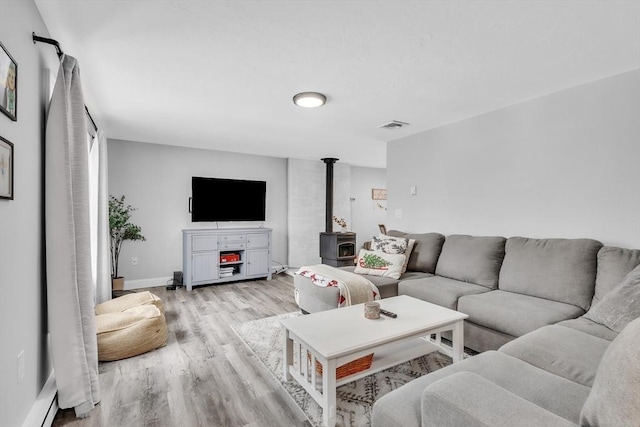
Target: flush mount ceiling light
[[309, 99]]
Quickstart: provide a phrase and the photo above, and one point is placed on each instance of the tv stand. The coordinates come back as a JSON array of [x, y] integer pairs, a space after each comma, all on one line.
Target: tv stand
[[218, 255]]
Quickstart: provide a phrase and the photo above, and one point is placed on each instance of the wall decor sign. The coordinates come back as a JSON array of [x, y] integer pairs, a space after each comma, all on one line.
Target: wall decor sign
[[8, 84], [379, 193], [6, 169]]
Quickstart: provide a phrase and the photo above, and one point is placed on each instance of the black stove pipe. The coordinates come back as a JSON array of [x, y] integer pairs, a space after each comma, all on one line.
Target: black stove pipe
[[329, 161]]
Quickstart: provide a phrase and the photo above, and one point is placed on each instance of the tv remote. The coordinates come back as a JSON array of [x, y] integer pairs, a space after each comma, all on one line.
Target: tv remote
[[388, 313]]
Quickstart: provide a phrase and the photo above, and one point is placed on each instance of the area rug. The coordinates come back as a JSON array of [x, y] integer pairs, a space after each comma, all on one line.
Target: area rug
[[354, 400]]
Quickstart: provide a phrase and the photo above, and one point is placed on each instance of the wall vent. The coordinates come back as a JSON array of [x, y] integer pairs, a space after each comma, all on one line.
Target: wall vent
[[393, 124]]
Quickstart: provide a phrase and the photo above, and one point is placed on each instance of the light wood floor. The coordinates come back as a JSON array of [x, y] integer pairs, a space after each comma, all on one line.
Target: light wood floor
[[205, 375]]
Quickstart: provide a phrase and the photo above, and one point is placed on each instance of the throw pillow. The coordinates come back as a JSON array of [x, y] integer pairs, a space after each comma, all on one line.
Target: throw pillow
[[620, 305], [389, 245], [407, 254], [614, 397], [378, 263]]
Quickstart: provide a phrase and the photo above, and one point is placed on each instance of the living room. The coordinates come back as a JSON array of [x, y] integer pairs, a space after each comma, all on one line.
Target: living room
[[551, 151]]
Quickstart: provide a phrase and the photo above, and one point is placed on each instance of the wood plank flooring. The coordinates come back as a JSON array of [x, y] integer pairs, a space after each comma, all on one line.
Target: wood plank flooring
[[205, 375]]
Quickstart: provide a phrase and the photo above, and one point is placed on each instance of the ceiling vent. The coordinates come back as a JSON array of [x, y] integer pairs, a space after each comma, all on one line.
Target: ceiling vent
[[393, 124]]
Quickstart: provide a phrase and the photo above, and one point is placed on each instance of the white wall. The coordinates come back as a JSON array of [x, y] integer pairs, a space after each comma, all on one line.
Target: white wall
[[351, 200], [23, 316], [307, 206], [367, 213], [156, 179], [563, 165]]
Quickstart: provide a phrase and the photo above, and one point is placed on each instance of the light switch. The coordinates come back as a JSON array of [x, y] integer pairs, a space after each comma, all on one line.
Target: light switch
[[414, 190], [398, 213]]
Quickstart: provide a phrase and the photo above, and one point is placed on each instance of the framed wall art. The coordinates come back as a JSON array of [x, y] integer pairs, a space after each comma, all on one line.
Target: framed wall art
[[379, 193], [8, 84], [6, 169]]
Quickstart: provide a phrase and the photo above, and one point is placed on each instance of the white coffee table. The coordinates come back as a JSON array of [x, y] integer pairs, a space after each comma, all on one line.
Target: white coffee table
[[336, 337]]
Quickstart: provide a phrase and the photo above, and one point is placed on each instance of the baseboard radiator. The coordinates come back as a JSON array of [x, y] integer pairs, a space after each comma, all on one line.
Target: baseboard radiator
[[45, 407]]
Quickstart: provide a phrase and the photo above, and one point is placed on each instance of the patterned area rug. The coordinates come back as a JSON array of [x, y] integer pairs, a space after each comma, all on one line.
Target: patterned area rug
[[354, 400]]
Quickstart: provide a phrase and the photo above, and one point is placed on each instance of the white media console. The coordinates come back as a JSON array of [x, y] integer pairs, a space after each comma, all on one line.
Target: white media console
[[216, 255]]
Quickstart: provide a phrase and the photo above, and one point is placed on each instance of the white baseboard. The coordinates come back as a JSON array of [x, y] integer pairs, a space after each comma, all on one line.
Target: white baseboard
[[45, 407], [146, 283]]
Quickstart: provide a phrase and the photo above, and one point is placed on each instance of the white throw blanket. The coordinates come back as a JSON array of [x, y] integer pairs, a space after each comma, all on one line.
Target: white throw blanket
[[354, 288]]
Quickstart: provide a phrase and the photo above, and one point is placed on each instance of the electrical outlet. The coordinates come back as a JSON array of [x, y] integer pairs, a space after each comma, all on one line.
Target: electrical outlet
[[20, 370], [134, 260]]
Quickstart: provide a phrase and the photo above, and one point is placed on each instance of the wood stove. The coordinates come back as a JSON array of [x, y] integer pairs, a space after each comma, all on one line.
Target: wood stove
[[336, 249]]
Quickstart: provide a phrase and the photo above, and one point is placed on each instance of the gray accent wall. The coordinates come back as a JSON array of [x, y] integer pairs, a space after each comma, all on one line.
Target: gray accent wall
[[23, 315], [156, 179], [563, 165]]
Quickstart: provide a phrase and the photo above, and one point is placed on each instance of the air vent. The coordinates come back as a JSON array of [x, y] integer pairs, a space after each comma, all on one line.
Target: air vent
[[393, 124]]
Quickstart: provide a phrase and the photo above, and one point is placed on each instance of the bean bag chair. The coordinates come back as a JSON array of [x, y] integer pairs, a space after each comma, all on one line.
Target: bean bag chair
[[129, 300], [126, 330]]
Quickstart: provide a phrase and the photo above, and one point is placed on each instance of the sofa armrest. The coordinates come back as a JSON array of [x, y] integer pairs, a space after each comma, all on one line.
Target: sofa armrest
[[467, 399]]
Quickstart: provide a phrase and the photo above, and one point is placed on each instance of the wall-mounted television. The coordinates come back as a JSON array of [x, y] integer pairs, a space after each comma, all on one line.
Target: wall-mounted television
[[219, 199]]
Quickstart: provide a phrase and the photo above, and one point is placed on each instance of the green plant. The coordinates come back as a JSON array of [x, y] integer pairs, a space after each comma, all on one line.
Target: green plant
[[120, 229]]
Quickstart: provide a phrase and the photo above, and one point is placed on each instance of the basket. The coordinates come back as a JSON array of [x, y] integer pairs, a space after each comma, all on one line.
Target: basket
[[347, 369]]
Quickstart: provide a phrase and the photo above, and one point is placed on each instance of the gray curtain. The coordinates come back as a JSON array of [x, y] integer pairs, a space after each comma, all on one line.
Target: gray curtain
[[103, 271], [70, 291]]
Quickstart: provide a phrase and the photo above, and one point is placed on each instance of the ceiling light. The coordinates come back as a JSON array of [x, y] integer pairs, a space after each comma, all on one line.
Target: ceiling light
[[309, 99]]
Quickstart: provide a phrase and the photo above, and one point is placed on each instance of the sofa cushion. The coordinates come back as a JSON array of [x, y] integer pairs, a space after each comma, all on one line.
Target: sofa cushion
[[619, 306], [566, 352], [426, 250], [590, 327], [615, 397], [469, 400], [514, 314], [388, 286], [439, 290], [562, 270], [613, 265], [480, 338], [473, 259], [565, 398]]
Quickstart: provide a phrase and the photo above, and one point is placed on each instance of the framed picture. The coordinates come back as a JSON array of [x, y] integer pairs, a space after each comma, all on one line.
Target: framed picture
[[8, 84], [379, 193], [6, 169]]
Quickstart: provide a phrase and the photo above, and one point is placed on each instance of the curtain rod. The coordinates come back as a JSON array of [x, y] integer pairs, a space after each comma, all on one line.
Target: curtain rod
[[60, 53]]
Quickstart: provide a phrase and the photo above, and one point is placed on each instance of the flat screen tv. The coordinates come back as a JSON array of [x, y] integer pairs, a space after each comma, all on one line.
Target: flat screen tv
[[218, 199]]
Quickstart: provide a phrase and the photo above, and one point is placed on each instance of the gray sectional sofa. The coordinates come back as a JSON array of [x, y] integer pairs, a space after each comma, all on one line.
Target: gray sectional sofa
[[532, 306]]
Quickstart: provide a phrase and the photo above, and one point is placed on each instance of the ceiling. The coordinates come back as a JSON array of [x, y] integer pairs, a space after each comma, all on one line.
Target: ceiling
[[221, 74]]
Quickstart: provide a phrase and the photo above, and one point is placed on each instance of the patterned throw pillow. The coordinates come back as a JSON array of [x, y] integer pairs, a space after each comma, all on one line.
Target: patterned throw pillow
[[378, 263], [389, 244], [386, 242]]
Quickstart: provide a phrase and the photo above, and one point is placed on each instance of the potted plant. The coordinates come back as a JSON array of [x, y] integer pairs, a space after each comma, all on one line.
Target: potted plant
[[120, 229]]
